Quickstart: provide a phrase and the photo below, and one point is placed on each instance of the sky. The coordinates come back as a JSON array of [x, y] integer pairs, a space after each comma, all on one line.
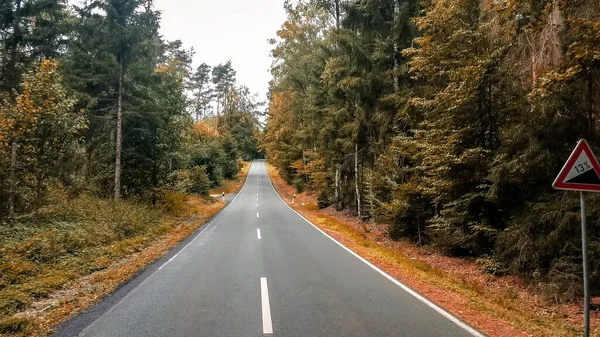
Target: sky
[[221, 30]]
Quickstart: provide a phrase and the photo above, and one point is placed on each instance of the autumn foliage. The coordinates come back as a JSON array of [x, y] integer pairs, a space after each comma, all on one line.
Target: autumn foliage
[[446, 121]]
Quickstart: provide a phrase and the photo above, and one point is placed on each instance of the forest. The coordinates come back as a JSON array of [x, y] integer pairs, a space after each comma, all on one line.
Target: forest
[[93, 100], [110, 143], [446, 121]]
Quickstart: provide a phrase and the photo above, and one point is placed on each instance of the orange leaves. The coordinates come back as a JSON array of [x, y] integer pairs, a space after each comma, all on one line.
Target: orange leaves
[[279, 104], [38, 98], [299, 166], [42, 116], [163, 68], [48, 66], [204, 128], [277, 138]]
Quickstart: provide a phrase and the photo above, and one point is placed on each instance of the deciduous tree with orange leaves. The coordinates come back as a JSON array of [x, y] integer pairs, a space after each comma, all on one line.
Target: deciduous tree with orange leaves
[[45, 126]]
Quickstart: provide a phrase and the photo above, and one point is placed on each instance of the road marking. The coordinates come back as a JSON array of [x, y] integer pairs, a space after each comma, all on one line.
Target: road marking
[[266, 307], [404, 287], [204, 227], [257, 204], [166, 263], [147, 279], [258, 233], [257, 214]]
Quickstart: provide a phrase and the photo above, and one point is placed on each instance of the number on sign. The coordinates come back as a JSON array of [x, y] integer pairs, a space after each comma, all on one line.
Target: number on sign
[[580, 168]]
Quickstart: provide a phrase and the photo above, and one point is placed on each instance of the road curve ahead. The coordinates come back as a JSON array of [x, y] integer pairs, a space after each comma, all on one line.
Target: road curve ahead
[[260, 269]]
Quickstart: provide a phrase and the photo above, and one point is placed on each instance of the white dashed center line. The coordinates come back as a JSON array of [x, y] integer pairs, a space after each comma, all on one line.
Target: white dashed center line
[[258, 233], [266, 307]]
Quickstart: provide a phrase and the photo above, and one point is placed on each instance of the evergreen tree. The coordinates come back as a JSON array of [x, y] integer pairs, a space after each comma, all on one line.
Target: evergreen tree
[[202, 92], [223, 79]]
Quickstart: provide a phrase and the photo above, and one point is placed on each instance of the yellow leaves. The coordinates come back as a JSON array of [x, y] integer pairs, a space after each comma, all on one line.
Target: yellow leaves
[[289, 30], [204, 129], [43, 102]]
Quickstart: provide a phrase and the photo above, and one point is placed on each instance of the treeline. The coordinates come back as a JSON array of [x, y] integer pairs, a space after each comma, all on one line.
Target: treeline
[[93, 100], [447, 120]]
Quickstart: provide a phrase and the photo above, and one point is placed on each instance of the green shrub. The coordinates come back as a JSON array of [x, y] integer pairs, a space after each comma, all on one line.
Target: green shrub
[[201, 184], [300, 184], [178, 181], [217, 176]]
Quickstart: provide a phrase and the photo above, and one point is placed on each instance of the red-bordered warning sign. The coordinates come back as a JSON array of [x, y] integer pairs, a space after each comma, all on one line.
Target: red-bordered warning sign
[[581, 172]]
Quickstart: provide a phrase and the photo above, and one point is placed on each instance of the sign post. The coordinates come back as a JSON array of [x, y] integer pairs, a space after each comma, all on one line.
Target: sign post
[[581, 173], [586, 287]]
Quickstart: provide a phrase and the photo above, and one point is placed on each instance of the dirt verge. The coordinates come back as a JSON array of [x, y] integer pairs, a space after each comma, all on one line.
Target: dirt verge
[[497, 306]]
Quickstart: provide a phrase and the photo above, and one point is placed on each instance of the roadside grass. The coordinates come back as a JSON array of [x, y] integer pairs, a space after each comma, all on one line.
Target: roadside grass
[[496, 311], [63, 259]]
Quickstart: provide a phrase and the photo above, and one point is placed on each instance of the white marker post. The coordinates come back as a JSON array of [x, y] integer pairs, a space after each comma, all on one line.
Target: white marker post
[[223, 196], [581, 173], [294, 199]]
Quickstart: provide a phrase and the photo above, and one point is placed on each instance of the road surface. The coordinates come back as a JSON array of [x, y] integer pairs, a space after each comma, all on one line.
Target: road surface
[[260, 269]]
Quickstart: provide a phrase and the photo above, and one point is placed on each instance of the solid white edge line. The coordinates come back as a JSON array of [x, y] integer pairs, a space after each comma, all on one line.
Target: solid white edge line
[[206, 226], [164, 264], [213, 221], [404, 287], [266, 307], [258, 233]]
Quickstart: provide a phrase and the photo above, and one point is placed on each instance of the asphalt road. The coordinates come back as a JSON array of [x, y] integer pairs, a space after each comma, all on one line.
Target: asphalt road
[[259, 269]]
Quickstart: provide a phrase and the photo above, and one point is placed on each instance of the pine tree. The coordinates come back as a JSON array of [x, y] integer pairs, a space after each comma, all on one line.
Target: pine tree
[[203, 94], [223, 79]]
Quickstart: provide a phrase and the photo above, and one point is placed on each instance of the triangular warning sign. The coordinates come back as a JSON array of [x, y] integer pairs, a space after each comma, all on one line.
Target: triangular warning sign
[[581, 171]]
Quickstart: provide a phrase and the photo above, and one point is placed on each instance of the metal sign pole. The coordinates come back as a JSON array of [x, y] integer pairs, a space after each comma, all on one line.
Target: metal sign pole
[[586, 287]]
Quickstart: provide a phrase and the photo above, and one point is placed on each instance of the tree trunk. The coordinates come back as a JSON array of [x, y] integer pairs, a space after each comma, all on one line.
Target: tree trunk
[[154, 168], [534, 66], [119, 137], [343, 192], [396, 61], [218, 113], [591, 121], [337, 188], [13, 179], [304, 168], [11, 80], [198, 111], [356, 182], [38, 191], [337, 14], [39, 173]]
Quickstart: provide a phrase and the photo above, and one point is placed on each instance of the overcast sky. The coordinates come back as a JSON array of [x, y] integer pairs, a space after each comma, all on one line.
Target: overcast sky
[[221, 30]]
